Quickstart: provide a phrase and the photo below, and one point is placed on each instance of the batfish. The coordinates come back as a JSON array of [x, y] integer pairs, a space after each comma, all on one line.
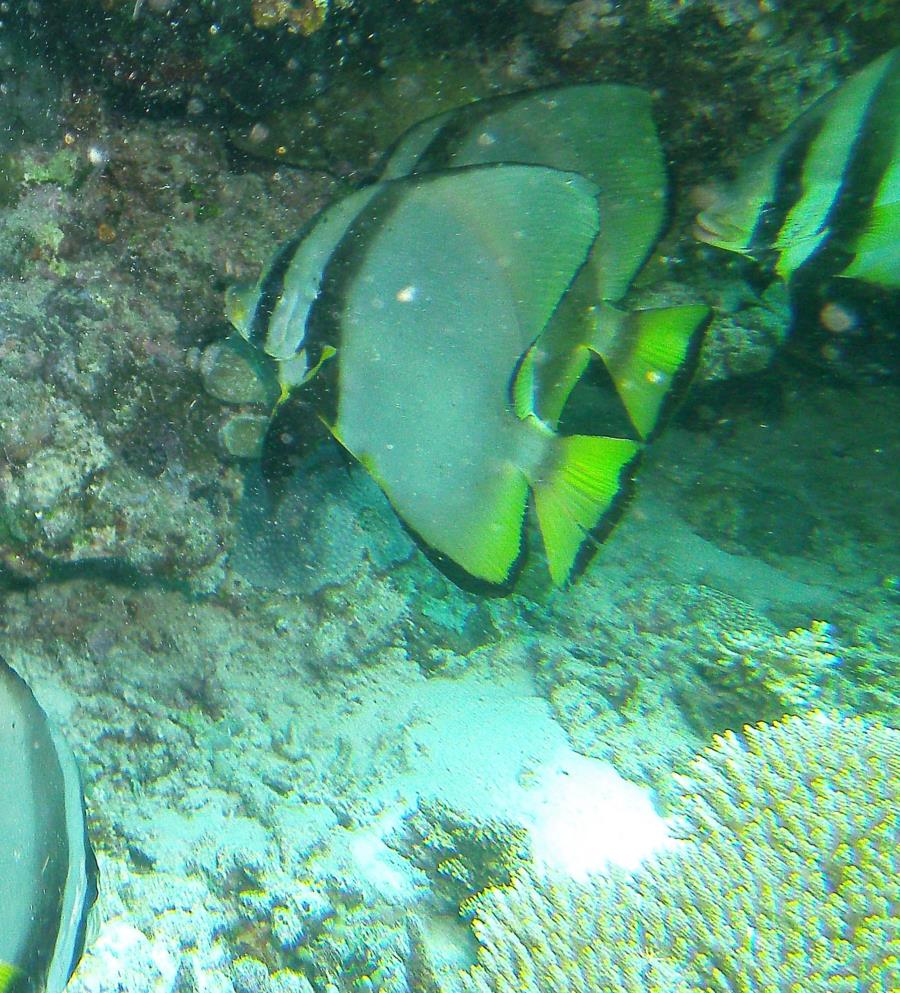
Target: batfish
[[47, 868], [433, 290], [825, 195]]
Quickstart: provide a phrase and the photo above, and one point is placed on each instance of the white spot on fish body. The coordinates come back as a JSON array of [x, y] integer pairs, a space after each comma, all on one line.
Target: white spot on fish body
[[408, 294], [486, 139]]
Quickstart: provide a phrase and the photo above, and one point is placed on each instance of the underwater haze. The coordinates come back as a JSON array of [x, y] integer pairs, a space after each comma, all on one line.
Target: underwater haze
[[449, 496]]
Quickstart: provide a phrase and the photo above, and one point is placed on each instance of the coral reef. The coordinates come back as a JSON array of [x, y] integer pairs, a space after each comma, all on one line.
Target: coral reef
[[303, 746], [801, 819], [761, 673], [787, 879], [305, 17], [537, 936], [118, 236], [668, 668], [733, 62], [110, 453], [462, 856], [346, 126]]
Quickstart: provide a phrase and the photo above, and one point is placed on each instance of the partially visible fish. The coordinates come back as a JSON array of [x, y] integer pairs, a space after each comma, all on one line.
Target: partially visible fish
[[273, 313], [604, 132], [825, 195], [47, 868]]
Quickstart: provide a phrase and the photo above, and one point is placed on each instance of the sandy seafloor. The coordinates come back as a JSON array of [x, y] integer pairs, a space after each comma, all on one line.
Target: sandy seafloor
[[250, 758]]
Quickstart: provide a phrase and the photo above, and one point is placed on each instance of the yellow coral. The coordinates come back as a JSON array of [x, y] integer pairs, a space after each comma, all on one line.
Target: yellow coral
[[305, 17]]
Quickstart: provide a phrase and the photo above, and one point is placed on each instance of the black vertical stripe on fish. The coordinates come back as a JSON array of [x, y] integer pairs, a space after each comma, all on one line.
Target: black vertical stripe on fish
[[323, 328], [322, 331], [272, 287], [788, 188], [871, 156], [438, 153]]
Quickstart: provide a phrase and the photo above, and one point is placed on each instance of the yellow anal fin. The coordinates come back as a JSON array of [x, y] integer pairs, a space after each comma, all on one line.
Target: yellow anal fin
[[11, 977], [579, 488], [646, 354]]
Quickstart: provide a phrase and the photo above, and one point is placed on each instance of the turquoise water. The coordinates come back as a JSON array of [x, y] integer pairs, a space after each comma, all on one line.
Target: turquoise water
[[320, 755]]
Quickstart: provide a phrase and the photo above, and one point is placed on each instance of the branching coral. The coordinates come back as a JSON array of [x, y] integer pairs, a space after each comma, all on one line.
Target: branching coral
[[462, 855], [778, 670], [540, 938], [788, 880], [759, 673]]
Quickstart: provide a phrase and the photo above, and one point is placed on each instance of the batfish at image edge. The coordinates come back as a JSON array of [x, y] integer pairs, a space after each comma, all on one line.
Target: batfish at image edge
[[827, 190], [47, 867]]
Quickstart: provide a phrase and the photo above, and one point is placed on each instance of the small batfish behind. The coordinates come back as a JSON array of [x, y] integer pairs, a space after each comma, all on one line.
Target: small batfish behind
[[47, 868], [825, 196], [603, 132], [606, 133], [435, 293]]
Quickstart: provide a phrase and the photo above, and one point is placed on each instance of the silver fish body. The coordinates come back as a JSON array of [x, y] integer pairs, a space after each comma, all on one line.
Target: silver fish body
[[47, 867]]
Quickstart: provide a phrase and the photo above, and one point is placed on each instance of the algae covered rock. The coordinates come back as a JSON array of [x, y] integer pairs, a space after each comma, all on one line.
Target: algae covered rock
[[461, 854], [352, 120], [67, 500]]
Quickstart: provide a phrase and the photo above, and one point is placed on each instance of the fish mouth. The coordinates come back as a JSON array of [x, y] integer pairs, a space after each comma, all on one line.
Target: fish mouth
[[720, 232], [706, 230]]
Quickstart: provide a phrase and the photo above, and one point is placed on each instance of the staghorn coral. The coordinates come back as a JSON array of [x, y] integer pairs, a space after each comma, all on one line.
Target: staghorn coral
[[537, 937], [758, 672], [788, 880], [770, 672]]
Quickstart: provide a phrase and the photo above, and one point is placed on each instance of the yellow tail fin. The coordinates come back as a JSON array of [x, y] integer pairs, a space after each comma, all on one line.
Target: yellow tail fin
[[572, 497], [646, 354], [10, 976]]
